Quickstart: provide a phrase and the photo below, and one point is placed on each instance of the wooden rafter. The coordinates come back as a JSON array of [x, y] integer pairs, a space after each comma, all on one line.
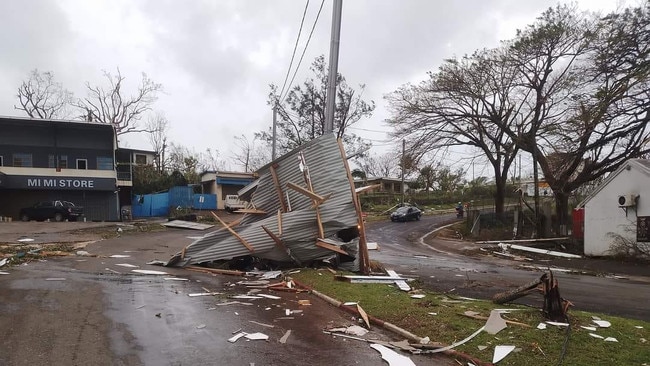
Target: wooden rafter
[[332, 247], [367, 188], [280, 222], [234, 233], [280, 244], [364, 260], [278, 188]]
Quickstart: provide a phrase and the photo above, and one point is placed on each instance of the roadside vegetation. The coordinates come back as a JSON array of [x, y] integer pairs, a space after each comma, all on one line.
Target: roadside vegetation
[[440, 317]]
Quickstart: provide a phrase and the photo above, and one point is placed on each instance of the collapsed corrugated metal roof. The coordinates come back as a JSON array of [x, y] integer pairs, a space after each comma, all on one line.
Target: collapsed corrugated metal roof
[[303, 208]]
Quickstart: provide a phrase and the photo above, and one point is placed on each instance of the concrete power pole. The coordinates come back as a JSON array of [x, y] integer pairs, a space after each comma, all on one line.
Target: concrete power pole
[[275, 122], [403, 163], [334, 65]]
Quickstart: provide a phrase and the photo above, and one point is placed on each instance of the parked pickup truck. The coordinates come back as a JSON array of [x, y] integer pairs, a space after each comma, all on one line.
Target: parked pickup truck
[[53, 210], [233, 203]]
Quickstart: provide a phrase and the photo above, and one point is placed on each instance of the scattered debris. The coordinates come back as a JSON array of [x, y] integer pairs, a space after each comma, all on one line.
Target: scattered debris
[[200, 326], [158, 315], [541, 326], [372, 279], [233, 303], [149, 272], [270, 275], [638, 327], [246, 297], [537, 250], [418, 296], [25, 240], [55, 279], [304, 302], [4, 273], [393, 358], [372, 245], [593, 329], [557, 324], [182, 224], [482, 348], [175, 279], [156, 262], [3, 261], [111, 270], [611, 339], [127, 265], [257, 336], [432, 313], [554, 308], [495, 323], [140, 307], [596, 336], [234, 338], [204, 294], [83, 253], [119, 256], [270, 296], [284, 338], [400, 283], [349, 303], [262, 324], [602, 323], [500, 352]]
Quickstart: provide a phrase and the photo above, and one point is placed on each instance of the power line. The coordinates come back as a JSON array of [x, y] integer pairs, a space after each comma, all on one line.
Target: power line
[[304, 50], [295, 47], [368, 130]]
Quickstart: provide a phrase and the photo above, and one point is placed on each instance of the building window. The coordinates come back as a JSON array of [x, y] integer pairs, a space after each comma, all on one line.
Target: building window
[[50, 161], [140, 159], [23, 160], [82, 164], [104, 163], [63, 161], [1, 161]]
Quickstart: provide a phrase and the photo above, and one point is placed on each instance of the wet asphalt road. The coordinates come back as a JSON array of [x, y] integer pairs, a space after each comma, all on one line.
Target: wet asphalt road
[[98, 313], [482, 277]]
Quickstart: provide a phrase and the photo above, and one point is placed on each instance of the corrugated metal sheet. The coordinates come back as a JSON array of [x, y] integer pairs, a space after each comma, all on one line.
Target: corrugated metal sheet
[[299, 226]]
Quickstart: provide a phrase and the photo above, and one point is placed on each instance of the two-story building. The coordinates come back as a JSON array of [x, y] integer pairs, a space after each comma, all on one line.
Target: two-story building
[[222, 184], [58, 160]]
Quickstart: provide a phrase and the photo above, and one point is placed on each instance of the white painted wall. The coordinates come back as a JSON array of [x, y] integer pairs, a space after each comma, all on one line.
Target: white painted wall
[[603, 216]]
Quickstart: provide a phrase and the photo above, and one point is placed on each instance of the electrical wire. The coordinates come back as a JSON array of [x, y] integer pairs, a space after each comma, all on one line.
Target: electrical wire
[[303, 52], [295, 47]]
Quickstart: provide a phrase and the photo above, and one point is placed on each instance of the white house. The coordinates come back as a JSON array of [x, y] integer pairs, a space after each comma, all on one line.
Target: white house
[[619, 207]]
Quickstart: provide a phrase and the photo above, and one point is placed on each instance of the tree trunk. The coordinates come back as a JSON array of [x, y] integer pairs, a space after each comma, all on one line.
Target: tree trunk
[[499, 195], [562, 212]]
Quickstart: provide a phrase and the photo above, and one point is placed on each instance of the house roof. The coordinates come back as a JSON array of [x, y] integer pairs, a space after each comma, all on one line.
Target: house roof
[[61, 122], [642, 165]]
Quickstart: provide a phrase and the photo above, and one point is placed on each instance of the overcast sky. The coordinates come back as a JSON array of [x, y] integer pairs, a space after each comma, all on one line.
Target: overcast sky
[[216, 58]]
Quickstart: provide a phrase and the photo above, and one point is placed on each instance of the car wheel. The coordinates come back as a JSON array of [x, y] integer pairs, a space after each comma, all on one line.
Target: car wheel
[[24, 218], [417, 218], [58, 217]]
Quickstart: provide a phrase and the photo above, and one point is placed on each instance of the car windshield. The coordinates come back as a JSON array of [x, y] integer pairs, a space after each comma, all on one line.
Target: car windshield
[[67, 204], [403, 210]]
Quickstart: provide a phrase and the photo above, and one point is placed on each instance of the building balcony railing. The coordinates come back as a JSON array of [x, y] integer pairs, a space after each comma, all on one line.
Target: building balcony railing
[[123, 175], [53, 172]]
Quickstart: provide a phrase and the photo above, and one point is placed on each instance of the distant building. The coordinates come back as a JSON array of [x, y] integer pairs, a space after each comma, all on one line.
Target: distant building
[[387, 185], [222, 184]]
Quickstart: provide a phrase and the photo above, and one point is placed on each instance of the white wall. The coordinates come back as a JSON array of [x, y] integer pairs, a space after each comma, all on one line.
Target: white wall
[[603, 216]]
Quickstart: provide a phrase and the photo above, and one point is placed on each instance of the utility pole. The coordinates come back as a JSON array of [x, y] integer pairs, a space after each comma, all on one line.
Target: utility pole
[[334, 65], [275, 122], [403, 163]]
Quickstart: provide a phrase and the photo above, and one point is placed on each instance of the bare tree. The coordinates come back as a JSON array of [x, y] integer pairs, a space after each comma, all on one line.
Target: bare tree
[[585, 96], [302, 111], [250, 155], [41, 97], [158, 127], [467, 102], [384, 165], [211, 160], [111, 105]]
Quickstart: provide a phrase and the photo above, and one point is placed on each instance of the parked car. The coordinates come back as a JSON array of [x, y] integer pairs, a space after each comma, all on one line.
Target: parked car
[[233, 203], [406, 214], [53, 210]]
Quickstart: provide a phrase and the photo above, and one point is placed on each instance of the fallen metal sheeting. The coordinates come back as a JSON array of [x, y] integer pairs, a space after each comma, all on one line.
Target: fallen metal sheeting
[[181, 224], [310, 212]]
